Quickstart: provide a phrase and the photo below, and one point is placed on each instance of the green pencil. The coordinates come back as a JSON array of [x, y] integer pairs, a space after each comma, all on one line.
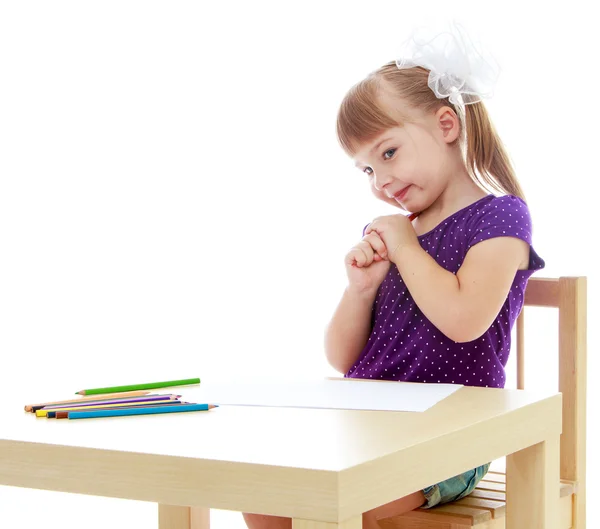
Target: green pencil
[[134, 387]]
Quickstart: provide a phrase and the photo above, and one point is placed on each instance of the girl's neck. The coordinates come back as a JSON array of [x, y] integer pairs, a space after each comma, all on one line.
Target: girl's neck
[[462, 193]]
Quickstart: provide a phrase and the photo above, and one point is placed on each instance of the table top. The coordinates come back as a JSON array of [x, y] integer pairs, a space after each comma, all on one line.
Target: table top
[[256, 435], [312, 463]]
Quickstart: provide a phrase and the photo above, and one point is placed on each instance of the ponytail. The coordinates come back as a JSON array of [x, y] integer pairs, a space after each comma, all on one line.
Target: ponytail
[[487, 160]]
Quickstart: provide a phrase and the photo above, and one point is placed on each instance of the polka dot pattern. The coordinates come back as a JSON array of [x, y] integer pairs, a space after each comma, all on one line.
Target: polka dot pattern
[[405, 345]]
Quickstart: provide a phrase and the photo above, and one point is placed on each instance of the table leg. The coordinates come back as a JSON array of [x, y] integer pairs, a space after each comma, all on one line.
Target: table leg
[[533, 486], [178, 517], [352, 523], [199, 518]]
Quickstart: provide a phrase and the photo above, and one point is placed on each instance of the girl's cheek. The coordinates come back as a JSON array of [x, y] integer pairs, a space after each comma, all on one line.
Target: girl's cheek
[[379, 194]]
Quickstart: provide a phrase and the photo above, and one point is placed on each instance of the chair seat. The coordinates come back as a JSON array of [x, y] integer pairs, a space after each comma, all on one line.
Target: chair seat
[[484, 508]]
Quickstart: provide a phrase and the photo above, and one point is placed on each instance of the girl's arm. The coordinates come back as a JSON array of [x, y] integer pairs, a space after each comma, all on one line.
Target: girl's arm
[[349, 329], [463, 306]]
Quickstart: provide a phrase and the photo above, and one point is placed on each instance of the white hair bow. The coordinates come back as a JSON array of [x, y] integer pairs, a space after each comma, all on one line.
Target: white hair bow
[[459, 69]]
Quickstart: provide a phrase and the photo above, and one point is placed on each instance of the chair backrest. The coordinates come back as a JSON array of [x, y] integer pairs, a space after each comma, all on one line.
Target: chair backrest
[[569, 296]]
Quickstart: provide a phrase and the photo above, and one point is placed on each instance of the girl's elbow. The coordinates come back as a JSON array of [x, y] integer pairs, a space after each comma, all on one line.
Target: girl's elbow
[[463, 331], [338, 364], [335, 359], [464, 337]]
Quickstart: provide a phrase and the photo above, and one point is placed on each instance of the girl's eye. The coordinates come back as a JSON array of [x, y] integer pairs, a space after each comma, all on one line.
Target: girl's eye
[[389, 150]]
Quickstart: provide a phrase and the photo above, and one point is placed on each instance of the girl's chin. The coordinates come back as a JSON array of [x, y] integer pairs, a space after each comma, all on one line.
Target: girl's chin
[[399, 205]]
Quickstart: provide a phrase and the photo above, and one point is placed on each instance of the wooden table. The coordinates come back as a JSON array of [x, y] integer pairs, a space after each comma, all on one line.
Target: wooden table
[[323, 468]]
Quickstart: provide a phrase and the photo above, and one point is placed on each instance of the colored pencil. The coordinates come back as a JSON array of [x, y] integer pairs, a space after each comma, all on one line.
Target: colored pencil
[[65, 414], [140, 411], [413, 216], [44, 412], [33, 407], [148, 398], [149, 385]]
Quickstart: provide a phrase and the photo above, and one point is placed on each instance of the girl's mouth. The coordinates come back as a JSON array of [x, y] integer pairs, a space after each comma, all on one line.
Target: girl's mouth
[[402, 193]]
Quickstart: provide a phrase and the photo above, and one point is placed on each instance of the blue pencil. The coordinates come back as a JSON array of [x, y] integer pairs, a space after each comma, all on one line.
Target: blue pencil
[[173, 408]]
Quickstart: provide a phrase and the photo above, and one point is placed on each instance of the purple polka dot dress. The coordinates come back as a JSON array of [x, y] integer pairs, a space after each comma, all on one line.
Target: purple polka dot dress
[[405, 345]]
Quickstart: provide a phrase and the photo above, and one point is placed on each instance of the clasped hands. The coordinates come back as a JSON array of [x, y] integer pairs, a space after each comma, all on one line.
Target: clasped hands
[[396, 232]]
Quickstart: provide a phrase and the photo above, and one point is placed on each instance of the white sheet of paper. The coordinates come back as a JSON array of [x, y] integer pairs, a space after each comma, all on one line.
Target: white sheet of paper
[[345, 394]]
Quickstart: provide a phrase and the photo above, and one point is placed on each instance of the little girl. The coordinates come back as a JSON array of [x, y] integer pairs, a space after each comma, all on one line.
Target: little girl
[[431, 297]]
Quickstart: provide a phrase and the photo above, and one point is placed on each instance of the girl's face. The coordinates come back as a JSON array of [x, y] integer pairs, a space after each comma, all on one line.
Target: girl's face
[[409, 167]]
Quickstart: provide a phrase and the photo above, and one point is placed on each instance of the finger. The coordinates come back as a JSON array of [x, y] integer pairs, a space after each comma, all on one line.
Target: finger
[[371, 228], [356, 257], [366, 247], [375, 241]]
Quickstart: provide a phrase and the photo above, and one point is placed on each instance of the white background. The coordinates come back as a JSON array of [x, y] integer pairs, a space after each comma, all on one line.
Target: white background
[[174, 203]]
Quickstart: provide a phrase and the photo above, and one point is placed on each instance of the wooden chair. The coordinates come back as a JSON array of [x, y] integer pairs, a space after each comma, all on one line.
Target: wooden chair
[[485, 507]]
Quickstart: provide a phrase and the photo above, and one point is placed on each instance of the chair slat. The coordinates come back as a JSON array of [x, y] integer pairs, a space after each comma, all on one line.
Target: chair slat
[[488, 495], [497, 508], [542, 292], [453, 513], [521, 350], [491, 485], [498, 477]]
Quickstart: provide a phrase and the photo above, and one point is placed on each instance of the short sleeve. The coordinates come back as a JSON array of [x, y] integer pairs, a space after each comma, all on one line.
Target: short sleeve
[[506, 216]]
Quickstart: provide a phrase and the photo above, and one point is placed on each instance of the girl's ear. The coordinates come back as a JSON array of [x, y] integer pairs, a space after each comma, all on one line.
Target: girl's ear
[[448, 123]]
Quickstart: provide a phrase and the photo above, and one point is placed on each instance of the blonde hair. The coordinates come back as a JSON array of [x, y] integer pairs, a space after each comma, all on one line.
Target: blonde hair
[[361, 118]]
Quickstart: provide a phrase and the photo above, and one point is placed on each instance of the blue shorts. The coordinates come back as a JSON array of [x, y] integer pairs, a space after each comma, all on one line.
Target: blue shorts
[[454, 488]]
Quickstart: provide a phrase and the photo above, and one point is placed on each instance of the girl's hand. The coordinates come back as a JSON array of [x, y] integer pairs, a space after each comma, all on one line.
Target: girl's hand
[[367, 264], [396, 232]]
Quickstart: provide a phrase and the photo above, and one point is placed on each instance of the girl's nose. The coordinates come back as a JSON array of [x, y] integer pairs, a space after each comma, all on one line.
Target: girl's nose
[[381, 181]]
